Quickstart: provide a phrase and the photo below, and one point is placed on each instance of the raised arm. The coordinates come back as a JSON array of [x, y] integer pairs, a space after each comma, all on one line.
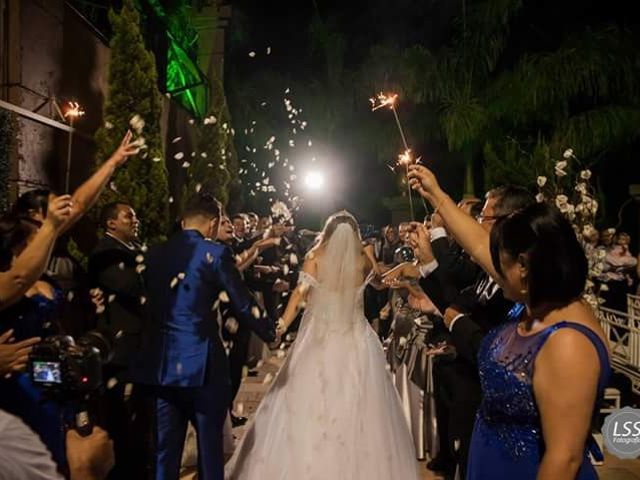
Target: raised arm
[[468, 233], [298, 296], [29, 266], [87, 194]]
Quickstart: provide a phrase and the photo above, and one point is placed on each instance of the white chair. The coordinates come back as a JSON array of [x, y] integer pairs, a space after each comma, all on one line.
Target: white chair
[[611, 400]]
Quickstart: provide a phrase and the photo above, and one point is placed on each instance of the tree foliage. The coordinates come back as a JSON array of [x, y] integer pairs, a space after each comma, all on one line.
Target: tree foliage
[[142, 181]]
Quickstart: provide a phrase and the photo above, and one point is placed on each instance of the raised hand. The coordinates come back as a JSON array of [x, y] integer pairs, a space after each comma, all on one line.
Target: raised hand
[[14, 356], [420, 240], [126, 149], [59, 210], [422, 180]]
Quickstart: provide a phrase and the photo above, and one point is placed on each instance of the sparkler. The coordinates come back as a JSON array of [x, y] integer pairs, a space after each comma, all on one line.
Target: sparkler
[[74, 111], [405, 158]]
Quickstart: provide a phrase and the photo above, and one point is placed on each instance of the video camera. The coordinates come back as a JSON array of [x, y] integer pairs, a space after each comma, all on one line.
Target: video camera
[[71, 371]]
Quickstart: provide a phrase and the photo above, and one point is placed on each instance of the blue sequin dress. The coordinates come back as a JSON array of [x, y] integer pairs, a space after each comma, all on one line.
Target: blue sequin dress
[[507, 440], [30, 317]]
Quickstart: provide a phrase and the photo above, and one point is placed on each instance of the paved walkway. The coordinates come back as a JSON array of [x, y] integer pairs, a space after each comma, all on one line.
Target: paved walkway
[[254, 388]]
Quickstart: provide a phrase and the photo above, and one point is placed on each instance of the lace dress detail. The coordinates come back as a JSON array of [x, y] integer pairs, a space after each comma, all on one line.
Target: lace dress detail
[[508, 428]]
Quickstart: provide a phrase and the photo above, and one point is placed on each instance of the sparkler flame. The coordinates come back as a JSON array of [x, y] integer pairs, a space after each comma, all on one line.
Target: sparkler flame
[[74, 110], [383, 100]]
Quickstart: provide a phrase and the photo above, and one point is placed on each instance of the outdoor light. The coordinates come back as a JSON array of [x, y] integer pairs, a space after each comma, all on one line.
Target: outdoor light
[[314, 180]]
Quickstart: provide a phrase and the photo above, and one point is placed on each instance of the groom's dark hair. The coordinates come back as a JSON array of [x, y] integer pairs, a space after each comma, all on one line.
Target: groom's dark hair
[[202, 204]]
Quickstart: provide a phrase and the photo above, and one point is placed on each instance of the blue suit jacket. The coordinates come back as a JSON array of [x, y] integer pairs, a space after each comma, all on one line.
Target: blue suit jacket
[[184, 278]]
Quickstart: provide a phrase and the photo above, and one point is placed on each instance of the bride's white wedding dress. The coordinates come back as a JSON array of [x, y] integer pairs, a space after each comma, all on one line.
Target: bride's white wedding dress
[[332, 411]]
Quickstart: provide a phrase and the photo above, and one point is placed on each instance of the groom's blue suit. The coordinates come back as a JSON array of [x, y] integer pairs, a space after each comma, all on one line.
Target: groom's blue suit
[[183, 357]]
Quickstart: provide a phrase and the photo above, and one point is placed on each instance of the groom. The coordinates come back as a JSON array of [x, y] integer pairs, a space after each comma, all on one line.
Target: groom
[[183, 359]]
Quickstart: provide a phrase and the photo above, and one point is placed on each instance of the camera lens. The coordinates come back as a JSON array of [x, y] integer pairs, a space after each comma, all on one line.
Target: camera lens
[[102, 341]]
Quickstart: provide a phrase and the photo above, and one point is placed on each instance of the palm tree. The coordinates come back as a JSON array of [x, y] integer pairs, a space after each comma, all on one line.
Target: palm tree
[[582, 94]]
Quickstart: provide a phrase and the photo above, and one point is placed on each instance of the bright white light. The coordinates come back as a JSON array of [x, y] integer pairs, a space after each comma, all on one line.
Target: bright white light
[[314, 180]]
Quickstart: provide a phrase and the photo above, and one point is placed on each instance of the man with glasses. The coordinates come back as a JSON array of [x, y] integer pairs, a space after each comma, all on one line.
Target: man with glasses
[[468, 316]]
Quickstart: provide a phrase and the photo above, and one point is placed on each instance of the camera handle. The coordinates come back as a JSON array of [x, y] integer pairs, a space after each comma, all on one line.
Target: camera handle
[[84, 424]]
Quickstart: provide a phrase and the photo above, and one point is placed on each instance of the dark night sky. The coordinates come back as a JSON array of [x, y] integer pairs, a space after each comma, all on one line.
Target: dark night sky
[[284, 26]]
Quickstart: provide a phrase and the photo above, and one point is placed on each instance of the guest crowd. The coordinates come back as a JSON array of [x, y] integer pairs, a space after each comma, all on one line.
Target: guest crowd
[[442, 286]]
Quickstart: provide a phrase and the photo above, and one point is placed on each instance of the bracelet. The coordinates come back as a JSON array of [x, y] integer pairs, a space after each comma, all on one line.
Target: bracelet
[[435, 210]]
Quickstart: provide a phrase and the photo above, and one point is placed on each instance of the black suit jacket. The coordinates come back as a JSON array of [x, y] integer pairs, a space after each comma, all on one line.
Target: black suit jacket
[[112, 268]]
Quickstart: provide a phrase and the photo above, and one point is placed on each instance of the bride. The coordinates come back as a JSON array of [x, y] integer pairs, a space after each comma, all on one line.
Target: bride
[[332, 411]]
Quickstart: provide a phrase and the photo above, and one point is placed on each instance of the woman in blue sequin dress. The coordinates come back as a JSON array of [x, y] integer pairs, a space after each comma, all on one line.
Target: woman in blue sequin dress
[[36, 314], [544, 369]]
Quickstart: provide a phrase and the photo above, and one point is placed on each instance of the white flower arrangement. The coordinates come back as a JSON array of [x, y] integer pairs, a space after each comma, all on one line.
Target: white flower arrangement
[[580, 207]]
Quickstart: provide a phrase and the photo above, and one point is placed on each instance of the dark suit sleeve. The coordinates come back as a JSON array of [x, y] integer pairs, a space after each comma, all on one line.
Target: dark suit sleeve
[[467, 336], [440, 288], [106, 273], [244, 306]]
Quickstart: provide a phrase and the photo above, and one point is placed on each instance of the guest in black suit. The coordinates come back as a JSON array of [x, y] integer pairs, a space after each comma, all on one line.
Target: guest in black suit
[[114, 267]]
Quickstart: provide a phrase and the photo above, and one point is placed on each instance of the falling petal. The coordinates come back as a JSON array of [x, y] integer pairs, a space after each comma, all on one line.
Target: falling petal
[[174, 282], [203, 154], [231, 324], [143, 300], [179, 368], [179, 156], [112, 186], [252, 54], [181, 276], [111, 298], [268, 50], [176, 140], [121, 265], [108, 125], [128, 390], [198, 187], [70, 296], [170, 199], [209, 258], [140, 268], [191, 121], [186, 165], [310, 143], [156, 159], [112, 382]]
